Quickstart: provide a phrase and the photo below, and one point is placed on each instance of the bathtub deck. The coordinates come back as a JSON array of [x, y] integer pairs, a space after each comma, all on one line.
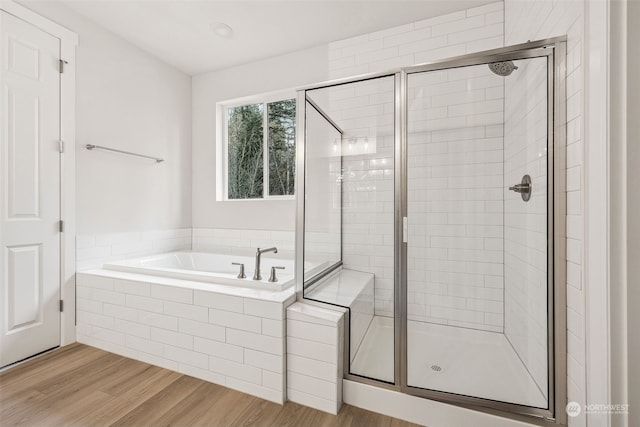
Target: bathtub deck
[[81, 385]]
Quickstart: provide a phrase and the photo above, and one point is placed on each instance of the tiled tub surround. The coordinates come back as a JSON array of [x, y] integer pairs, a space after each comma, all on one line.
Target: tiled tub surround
[[93, 250], [315, 339], [241, 241], [226, 335]]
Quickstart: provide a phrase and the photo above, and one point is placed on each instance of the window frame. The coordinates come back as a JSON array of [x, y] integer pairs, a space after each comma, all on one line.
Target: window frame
[[223, 144]]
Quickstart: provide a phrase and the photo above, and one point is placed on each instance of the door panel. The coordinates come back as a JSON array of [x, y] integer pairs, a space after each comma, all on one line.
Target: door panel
[[24, 287], [30, 191], [477, 312]]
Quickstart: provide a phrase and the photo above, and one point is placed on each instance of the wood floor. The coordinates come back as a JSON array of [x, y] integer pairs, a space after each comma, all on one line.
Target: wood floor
[[79, 385]]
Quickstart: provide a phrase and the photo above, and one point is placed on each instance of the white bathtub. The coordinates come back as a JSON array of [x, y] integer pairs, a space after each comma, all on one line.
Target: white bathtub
[[210, 268]]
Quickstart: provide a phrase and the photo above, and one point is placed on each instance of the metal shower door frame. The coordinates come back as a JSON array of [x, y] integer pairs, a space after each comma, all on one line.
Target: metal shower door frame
[[555, 50]]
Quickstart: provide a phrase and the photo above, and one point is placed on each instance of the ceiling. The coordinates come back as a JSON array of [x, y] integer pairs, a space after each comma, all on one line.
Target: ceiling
[[179, 31]]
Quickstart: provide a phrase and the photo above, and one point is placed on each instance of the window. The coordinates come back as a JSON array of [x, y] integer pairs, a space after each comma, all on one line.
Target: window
[[260, 148]]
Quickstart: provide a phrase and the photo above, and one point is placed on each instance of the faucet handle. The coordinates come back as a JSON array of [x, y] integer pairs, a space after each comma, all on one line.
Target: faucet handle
[[272, 276], [241, 274]]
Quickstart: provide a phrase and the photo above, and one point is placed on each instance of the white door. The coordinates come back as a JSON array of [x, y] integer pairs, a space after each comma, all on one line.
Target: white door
[[30, 190]]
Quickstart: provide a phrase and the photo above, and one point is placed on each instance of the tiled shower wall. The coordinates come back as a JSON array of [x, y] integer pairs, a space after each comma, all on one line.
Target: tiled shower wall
[[455, 198], [367, 111], [539, 19]]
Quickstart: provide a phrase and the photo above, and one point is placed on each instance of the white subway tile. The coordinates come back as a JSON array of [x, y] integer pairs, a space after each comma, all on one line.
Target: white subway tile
[[93, 253], [131, 287], [108, 335], [201, 329], [144, 303], [314, 386], [219, 349], [144, 345], [264, 360], [266, 393], [180, 355], [314, 368], [219, 301], [158, 320], [268, 309], [273, 380], [311, 349], [255, 341], [235, 320], [235, 370], [172, 293], [120, 312], [467, 23], [131, 247], [84, 304], [172, 338], [95, 319], [91, 281], [109, 297], [158, 361], [132, 328], [273, 328], [312, 332], [312, 401], [203, 374], [186, 311]]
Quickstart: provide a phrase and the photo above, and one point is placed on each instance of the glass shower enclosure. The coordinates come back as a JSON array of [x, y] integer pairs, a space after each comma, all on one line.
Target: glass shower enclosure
[[431, 205]]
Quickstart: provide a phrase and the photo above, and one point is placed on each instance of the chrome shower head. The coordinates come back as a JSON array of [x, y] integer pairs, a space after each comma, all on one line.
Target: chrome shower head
[[503, 69]]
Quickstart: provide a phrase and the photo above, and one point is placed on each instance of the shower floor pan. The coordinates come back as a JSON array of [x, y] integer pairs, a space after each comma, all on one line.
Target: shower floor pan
[[447, 358]]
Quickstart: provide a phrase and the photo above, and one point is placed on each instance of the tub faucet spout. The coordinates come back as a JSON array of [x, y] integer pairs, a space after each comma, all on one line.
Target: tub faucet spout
[[259, 252]]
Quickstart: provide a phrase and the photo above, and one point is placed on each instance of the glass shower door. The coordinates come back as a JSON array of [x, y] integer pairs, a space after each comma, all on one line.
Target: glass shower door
[[477, 320]]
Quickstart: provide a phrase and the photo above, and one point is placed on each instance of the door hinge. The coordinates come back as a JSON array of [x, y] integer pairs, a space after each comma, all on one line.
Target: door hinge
[[61, 64], [61, 306], [61, 226], [61, 146]]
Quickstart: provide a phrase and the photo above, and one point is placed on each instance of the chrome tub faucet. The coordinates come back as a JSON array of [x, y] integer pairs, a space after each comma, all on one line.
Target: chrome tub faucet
[[259, 252]]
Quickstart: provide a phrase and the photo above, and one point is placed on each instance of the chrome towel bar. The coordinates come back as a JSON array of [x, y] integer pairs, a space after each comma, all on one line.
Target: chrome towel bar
[[100, 147]]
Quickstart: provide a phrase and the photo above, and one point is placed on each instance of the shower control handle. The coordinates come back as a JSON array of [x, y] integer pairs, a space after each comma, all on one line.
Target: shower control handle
[[241, 274], [524, 188], [521, 188]]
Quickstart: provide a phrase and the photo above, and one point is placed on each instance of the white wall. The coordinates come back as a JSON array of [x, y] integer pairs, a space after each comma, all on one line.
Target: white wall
[[273, 74], [132, 101], [539, 19]]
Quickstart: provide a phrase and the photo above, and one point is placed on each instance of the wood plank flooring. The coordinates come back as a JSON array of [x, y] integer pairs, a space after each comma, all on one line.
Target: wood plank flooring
[[80, 385]]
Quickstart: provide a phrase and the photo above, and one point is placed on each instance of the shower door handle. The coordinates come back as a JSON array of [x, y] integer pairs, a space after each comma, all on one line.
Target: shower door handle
[[524, 188]]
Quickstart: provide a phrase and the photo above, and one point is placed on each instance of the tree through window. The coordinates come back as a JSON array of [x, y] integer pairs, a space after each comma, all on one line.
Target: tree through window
[[250, 137]]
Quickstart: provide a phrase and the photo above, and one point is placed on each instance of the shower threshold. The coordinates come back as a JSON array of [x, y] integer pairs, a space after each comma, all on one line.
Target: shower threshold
[[451, 359]]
